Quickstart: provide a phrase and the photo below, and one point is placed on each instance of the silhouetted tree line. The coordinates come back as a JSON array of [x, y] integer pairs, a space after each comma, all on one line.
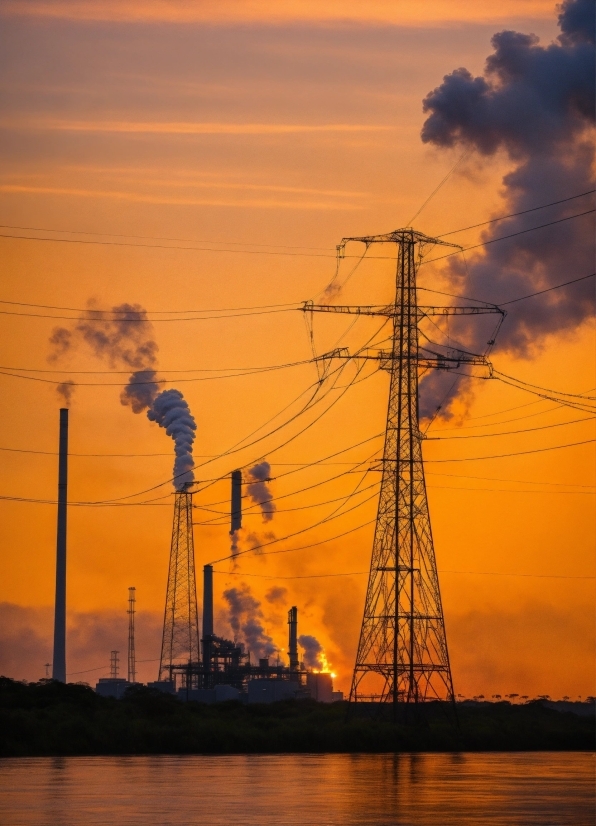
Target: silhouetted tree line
[[49, 718]]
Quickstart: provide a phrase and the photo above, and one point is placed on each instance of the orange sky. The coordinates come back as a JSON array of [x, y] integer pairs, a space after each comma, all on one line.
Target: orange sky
[[269, 137]]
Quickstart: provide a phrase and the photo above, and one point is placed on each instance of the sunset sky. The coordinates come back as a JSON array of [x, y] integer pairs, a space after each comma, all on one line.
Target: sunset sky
[[208, 156]]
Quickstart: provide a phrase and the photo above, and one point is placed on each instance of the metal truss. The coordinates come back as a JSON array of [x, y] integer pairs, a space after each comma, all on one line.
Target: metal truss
[[180, 640], [402, 652]]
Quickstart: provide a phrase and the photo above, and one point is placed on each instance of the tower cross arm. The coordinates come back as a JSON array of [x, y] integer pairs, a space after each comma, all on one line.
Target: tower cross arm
[[455, 309], [391, 310], [373, 309]]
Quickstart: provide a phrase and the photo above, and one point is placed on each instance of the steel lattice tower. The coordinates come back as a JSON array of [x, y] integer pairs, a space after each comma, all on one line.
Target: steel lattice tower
[[402, 652], [180, 641]]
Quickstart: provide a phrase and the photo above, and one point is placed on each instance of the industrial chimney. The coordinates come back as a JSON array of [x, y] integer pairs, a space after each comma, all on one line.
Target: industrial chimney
[[236, 510], [132, 662], [293, 638], [59, 660], [208, 601]]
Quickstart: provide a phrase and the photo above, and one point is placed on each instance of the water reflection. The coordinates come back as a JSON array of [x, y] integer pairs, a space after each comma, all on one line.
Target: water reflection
[[301, 790]]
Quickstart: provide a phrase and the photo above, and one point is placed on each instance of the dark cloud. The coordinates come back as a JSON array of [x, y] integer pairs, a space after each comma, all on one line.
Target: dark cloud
[[536, 104]]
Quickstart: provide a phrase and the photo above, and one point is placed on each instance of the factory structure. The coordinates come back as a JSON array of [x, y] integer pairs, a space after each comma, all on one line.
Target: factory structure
[[204, 668]]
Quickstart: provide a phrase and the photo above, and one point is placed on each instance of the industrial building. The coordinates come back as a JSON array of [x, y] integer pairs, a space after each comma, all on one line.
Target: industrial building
[[209, 669]]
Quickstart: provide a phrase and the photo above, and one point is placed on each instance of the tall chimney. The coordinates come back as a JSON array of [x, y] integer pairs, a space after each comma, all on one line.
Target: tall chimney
[[293, 638], [236, 522], [208, 601], [59, 662], [132, 664]]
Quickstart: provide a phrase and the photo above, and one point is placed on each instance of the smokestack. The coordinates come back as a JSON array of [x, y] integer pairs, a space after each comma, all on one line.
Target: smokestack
[[293, 638], [208, 601], [59, 662], [236, 523], [132, 665]]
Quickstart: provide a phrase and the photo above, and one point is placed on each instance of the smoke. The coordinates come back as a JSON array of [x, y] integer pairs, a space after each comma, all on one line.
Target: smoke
[[258, 490], [65, 392], [535, 104], [314, 656], [126, 340], [255, 540], [170, 410], [123, 341], [245, 617], [276, 594]]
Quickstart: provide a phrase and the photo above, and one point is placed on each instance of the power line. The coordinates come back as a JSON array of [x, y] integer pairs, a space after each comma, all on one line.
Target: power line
[[291, 535], [504, 455], [547, 290], [321, 254], [115, 311], [441, 571], [505, 237], [177, 380], [509, 432], [92, 320], [516, 481], [292, 254], [512, 214], [162, 238]]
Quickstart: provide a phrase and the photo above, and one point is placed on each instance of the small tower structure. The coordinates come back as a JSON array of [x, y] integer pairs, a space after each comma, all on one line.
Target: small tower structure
[[180, 640]]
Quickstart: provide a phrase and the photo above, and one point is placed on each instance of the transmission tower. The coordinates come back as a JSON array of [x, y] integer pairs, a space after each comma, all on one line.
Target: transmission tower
[[402, 652], [180, 641]]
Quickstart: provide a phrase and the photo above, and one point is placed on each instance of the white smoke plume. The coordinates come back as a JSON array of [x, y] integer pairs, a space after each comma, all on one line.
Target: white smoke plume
[[171, 411], [246, 621], [258, 490]]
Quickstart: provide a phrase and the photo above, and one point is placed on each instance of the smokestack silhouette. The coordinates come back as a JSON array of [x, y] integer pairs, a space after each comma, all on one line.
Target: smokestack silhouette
[[293, 638], [59, 661], [236, 522], [208, 601]]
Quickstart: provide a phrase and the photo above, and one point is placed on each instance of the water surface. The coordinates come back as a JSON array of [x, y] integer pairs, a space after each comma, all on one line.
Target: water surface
[[301, 790]]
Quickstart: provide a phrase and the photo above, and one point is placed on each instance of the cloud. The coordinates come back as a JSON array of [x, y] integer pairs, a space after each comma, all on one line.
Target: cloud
[[176, 200], [26, 640], [189, 128], [233, 12]]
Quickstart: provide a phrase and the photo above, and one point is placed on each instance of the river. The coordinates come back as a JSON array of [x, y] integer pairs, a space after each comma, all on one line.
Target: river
[[301, 790]]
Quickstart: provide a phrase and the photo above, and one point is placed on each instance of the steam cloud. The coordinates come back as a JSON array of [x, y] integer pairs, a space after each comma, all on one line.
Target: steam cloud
[[258, 490], [127, 341], [536, 104], [313, 651], [170, 410], [246, 618]]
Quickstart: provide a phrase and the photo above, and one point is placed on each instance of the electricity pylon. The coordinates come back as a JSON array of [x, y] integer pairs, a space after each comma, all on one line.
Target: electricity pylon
[[180, 641], [402, 653]]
